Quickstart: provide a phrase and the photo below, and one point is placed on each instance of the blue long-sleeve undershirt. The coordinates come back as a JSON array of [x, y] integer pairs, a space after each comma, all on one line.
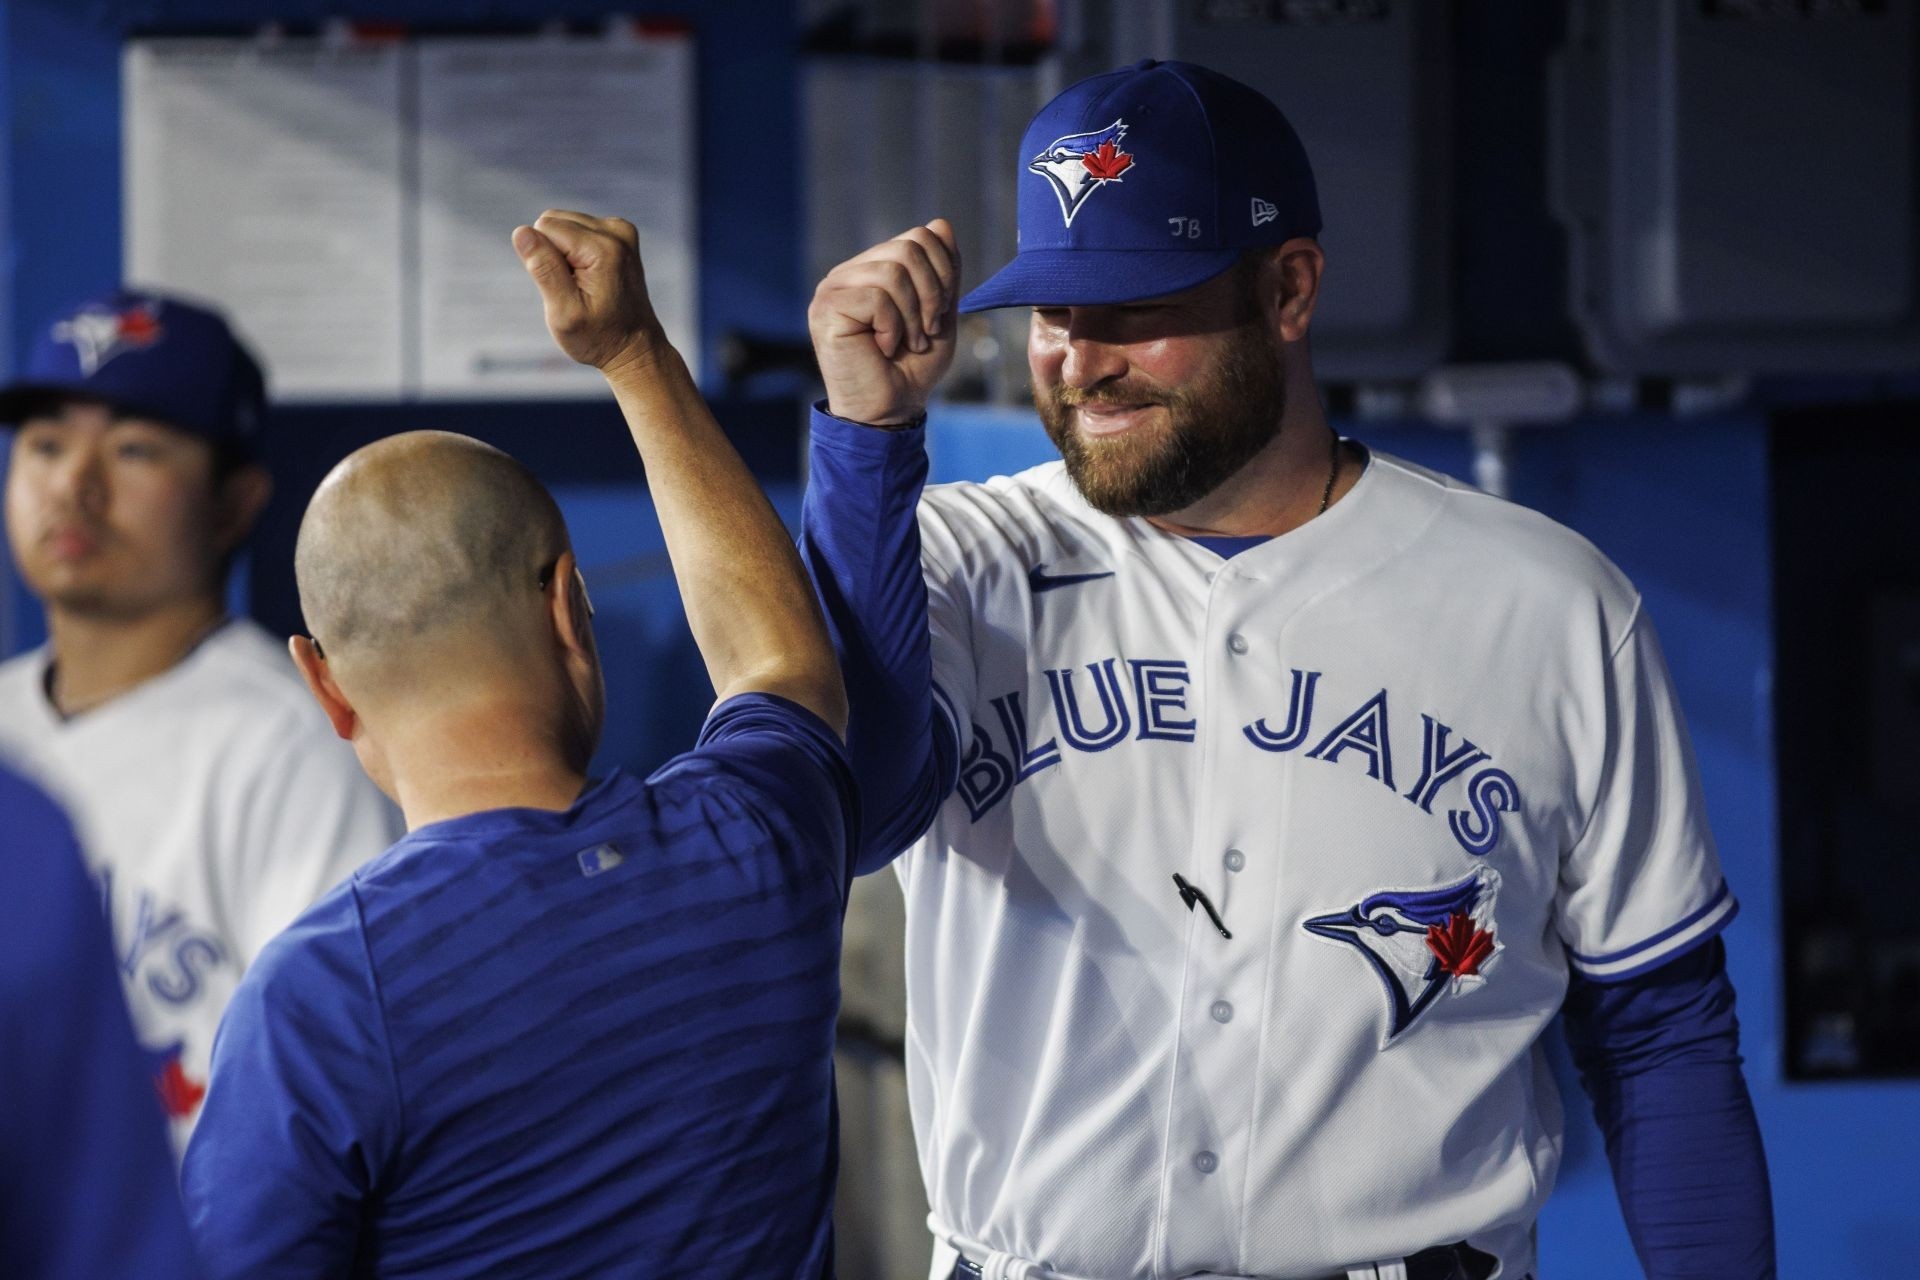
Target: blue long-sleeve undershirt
[[860, 542], [1659, 1053]]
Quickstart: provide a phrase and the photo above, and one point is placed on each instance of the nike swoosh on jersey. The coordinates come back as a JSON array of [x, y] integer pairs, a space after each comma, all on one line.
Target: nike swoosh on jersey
[[1039, 579]]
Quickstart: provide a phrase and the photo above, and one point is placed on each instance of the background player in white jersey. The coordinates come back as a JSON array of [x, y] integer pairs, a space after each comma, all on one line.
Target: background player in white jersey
[[211, 799], [1281, 792]]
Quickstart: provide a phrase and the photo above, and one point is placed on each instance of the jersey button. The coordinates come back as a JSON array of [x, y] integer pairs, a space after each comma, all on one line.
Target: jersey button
[[1237, 642], [1206, 1162], [1221, 1011], [1235, 860]]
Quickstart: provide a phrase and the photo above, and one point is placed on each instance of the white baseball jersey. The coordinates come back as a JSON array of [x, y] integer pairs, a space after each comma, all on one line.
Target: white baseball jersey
[[215, 804], [1419, 755]]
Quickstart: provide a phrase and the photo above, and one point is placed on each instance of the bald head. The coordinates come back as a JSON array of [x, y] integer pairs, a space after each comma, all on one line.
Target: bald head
[[423, 542]]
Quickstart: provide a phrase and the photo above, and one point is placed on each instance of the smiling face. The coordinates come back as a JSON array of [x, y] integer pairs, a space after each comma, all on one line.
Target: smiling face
[[1153, 405], [112, 516]]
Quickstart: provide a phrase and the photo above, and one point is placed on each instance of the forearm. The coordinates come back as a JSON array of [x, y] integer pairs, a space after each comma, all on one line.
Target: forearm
[[747, 599], [861, 543], [1690, 1171], [1659, 1056]]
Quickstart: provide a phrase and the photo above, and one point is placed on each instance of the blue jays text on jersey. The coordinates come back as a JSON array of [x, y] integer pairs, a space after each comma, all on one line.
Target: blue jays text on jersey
[[162, 953], [1144, 699], [161, 950]]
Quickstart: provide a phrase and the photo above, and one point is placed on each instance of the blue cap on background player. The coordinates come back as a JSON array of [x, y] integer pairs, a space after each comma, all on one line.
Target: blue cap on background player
[[1147, 181], [149, 356]]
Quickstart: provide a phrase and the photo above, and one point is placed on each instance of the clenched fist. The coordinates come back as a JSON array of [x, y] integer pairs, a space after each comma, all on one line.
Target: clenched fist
[[592, 284], [883, 326]]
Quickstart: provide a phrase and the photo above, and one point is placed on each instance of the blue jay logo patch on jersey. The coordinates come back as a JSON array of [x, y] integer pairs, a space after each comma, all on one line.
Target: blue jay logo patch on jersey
[[1420, 943], [1080, 164]]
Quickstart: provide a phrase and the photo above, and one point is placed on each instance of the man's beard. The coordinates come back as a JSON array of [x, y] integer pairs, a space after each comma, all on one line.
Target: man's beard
[[1215, 425]]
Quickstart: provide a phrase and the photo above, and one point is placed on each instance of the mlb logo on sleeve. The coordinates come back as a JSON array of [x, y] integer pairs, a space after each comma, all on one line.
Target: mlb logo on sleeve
[[600, 859]]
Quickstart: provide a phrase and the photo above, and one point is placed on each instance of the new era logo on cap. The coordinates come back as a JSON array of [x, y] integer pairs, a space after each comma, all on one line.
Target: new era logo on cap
[[1263, 212]]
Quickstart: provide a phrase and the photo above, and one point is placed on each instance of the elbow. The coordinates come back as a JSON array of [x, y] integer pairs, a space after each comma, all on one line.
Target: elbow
[[830, 702], [817, 688]]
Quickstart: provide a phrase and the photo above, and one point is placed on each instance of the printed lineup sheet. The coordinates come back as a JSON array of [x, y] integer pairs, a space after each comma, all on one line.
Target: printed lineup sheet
[[264, 177], [349, 202], [604, 125]]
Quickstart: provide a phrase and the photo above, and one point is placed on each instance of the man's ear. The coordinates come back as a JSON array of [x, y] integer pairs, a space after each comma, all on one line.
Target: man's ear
[[569, 608], [1289, 287], [313, 669], [243, 496]]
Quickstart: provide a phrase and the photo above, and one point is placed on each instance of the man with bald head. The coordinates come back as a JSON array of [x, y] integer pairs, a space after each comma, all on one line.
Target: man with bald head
[[411, 560], [563, 1027]]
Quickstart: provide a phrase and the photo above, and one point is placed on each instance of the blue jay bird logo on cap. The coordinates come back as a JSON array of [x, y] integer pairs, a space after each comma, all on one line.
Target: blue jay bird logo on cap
[[1080, 164], [99, 334], [1419, 942]]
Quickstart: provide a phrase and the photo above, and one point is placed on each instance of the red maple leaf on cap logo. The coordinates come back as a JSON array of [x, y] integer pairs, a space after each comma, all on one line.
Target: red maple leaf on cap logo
[[1106, 162], [1459, 945], [138, 328]]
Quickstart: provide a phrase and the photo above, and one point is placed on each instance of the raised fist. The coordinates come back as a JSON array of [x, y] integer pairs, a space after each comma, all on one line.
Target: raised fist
[[883, 325], [592, 284]]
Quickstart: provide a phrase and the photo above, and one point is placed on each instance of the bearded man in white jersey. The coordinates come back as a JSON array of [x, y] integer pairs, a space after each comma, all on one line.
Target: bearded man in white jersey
[[1263, 798], [212, 798]]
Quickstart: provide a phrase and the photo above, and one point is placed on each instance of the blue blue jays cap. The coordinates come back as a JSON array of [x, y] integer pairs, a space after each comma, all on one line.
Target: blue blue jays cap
[[1147, 181], [146, 355]]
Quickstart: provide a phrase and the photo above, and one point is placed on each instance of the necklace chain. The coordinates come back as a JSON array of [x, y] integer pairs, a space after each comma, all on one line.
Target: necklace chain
[[1333, 473]]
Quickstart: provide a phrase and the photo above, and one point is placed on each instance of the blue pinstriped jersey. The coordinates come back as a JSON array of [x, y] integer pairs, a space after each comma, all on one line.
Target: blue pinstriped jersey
[[530, 1043]]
